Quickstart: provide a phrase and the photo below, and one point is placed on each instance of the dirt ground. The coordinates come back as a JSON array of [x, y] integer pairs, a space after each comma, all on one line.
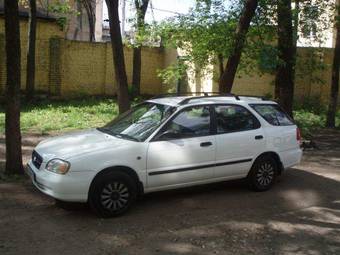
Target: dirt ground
[[300, 215]]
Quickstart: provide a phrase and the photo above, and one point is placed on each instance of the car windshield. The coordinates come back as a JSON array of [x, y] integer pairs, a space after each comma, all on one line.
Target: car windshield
[[140, 122]]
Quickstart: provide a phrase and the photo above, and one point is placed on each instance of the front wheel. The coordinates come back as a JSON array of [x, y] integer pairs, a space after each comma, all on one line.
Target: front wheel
[[112, 194], [263, 173]]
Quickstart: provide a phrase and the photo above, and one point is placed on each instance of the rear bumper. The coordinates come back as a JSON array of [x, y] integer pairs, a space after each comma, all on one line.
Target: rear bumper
[[291, 158], [72, 186]]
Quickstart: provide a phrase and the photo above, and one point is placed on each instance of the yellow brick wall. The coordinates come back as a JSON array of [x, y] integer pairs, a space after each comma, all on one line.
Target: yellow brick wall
[[85, 68], [45, 30]]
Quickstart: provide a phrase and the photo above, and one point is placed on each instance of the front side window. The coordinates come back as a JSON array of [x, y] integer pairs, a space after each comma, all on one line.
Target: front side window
[[190, 122], [234, 118], [140, 122], [273, 114]]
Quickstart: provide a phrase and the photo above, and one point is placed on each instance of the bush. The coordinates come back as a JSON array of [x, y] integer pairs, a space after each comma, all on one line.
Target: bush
[[309, 121]]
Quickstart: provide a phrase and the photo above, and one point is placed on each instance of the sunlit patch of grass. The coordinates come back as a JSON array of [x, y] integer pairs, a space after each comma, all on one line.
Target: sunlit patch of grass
[[54, 116]]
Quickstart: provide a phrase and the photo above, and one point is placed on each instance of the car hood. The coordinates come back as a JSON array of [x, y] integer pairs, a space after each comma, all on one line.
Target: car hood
[[76, 143]]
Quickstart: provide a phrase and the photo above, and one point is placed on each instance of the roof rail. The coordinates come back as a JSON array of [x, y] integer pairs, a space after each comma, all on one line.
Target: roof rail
[[263, 98], [206, 94], [184, 94]]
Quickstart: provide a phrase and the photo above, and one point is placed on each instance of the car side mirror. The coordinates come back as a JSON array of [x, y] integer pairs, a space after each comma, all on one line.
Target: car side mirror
[[168, 135]]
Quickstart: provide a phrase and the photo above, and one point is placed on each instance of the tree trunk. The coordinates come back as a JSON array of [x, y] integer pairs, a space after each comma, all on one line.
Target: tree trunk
[[136, 70], [30, 68], [91, 17], [295, 39], [333, 101], [12, 120], [220, 64], [118, 56], [284, 75], [137, 51], [227, 79]]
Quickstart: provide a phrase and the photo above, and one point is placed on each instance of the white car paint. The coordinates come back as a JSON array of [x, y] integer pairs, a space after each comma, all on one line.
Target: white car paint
[[92, 151]]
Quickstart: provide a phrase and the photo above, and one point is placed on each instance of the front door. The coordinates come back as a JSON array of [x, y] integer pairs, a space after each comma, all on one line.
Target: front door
[[183, 151]]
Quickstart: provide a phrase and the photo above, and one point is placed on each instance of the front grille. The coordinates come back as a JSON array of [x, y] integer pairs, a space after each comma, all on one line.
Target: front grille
[[36, 159]]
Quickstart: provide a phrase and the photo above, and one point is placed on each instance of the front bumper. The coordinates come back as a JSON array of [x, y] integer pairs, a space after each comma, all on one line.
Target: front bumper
[[73, 186]]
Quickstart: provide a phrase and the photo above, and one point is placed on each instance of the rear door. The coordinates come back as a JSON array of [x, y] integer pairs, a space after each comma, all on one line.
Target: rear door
[[185, 153], [239, 138], [281, 133]]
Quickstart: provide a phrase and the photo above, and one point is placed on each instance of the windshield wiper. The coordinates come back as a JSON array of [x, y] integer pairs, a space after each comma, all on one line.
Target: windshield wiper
[[127, 137], [124, 136]]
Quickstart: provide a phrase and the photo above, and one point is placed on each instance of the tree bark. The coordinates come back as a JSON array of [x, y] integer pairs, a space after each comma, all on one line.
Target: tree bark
[[220, 64], [285, 70], [30, 68], [333, 101], [91, 17], [12, 119], [118, 56], [137, 50], [295, 39], [227, 79]]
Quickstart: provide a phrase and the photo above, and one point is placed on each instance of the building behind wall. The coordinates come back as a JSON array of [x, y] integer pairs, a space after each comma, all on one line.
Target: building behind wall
[[77, 27]]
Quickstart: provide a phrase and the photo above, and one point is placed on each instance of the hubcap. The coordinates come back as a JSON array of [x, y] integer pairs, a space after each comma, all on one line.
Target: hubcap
[[114, 196], [265, 174]]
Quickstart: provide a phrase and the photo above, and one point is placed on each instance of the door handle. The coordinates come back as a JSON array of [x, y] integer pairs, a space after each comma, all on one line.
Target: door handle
[[206, 144], [258, 137]]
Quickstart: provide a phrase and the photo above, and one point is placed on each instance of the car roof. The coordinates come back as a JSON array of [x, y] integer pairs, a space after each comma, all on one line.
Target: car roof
[[194, 100]]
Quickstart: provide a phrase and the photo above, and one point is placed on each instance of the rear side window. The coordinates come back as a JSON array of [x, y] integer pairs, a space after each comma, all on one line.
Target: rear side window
[[273, 114], [233, 118]]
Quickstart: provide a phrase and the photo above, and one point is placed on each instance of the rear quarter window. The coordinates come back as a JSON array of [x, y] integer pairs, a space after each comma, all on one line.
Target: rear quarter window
[[273, 114]]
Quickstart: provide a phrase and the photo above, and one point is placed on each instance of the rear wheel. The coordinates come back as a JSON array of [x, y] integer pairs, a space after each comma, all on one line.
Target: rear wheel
[[112, 194], [263, 173]]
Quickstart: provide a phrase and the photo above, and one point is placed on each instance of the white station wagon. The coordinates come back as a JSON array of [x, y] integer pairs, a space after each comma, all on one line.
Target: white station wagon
[[167, 143]]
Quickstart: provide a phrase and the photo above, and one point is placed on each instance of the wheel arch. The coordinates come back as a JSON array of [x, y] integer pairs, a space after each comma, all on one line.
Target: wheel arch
[[275, 156], [124, 169]]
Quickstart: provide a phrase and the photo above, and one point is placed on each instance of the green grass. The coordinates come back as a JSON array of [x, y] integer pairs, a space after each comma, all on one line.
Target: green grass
[[56, 116]]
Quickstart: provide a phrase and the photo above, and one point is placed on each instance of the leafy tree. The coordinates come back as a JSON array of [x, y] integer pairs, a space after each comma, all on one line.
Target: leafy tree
[[228, 76], [62, 9], [12, 92], [335, 75], [205, 33], [208, 36], [118, 56]]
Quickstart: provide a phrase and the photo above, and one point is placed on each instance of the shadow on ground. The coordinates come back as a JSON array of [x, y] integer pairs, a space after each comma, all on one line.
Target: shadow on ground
[[300, 215]]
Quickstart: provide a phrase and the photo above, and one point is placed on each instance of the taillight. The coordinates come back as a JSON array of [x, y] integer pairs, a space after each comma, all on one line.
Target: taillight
[[298, 135]]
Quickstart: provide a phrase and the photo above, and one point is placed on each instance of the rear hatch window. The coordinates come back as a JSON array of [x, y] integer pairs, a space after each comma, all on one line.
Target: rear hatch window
[[273, 114]]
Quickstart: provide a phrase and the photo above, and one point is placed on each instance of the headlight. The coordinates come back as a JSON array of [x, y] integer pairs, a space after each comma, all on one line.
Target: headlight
[[58, 166]]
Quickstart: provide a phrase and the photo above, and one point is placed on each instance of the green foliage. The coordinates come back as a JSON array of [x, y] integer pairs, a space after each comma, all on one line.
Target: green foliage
[[311, 104], [173, 72], [309, 66], [310, 115], [206, 31], [308, 122], [62, 9]]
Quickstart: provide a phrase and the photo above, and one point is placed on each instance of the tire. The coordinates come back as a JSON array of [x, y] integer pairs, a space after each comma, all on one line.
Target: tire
[[112, 194], [263, 173]]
